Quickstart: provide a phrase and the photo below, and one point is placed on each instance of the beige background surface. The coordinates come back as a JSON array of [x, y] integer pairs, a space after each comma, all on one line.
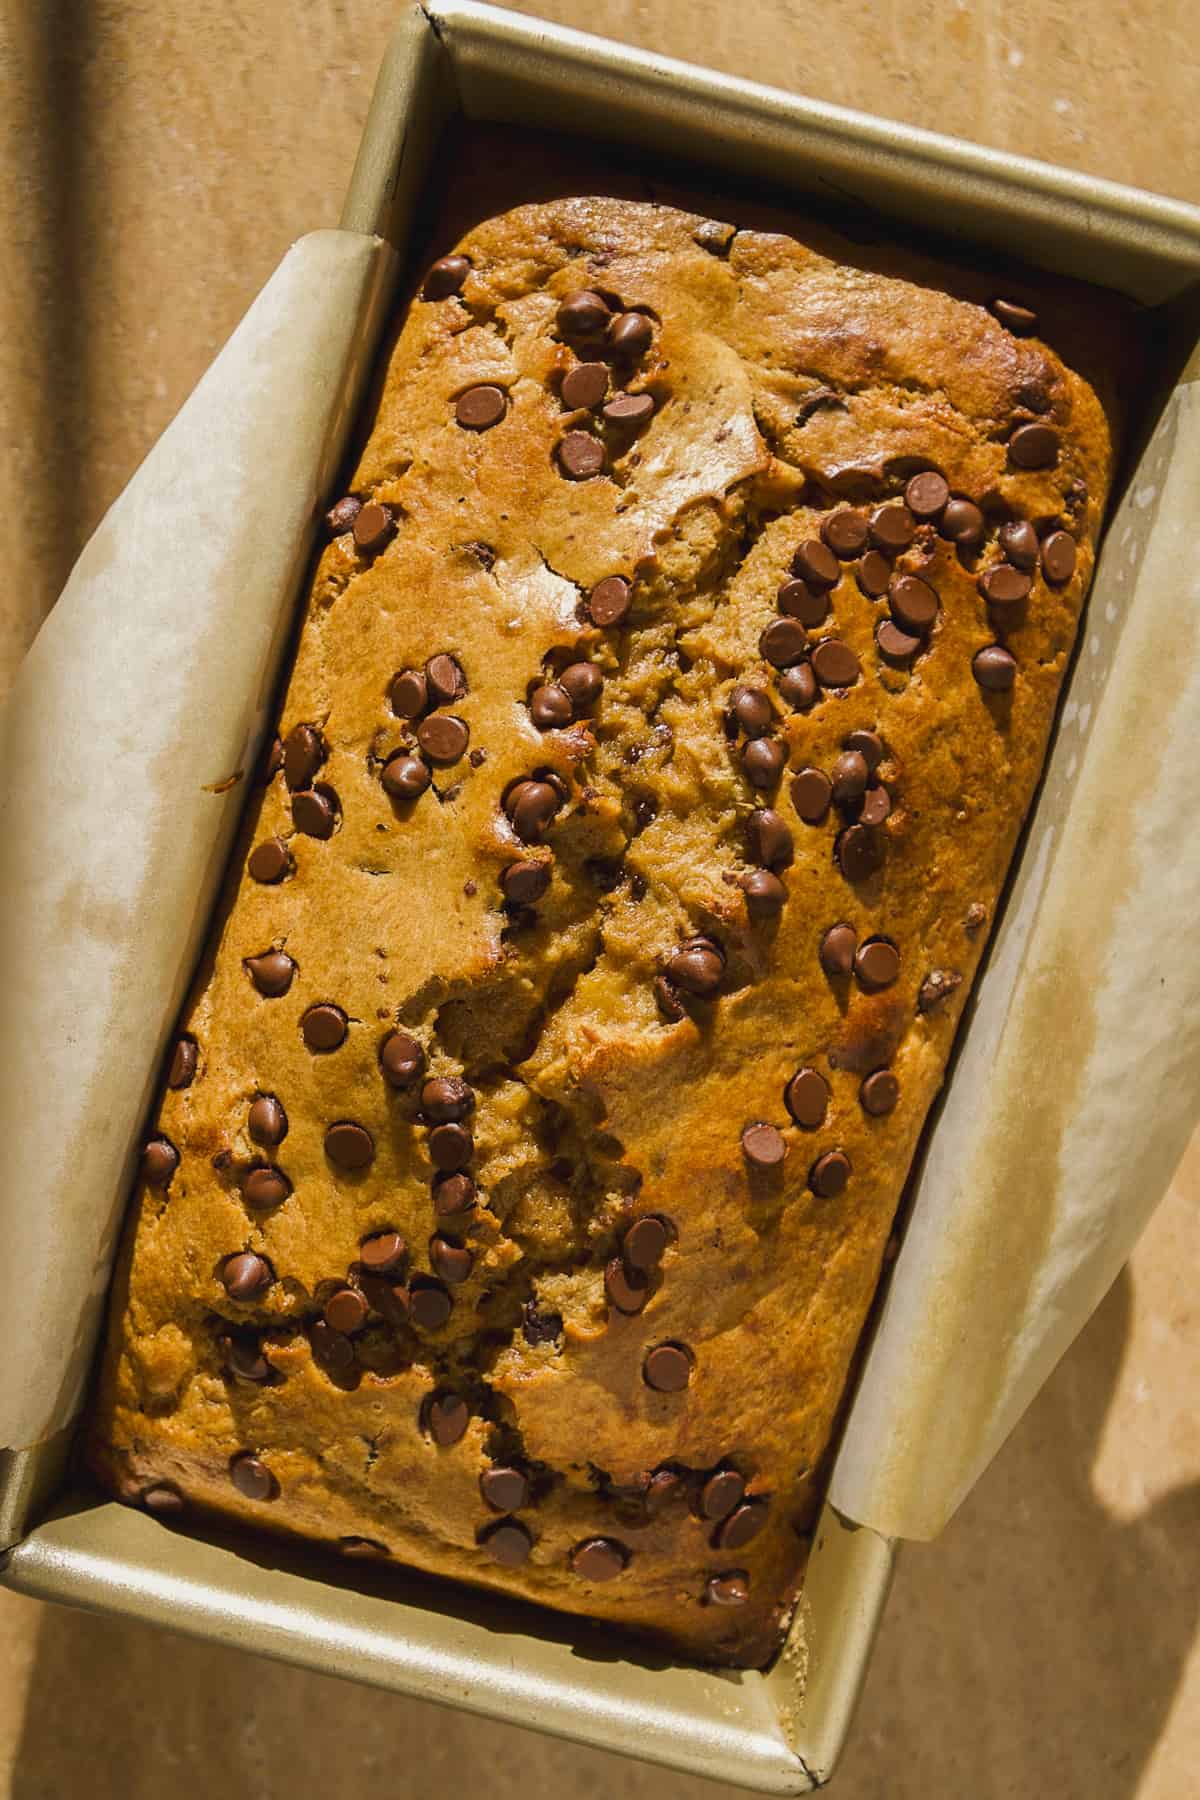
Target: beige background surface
[[155, 160]]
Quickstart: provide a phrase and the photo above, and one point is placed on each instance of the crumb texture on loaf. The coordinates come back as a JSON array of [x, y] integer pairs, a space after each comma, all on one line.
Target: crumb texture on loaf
[[669, 695]]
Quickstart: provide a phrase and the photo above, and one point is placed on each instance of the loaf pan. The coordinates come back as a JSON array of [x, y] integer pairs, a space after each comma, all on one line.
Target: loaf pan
[[779, 1731]]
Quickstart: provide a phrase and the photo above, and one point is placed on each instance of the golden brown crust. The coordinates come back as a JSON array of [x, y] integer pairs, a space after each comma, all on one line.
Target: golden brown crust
[[785, 384]]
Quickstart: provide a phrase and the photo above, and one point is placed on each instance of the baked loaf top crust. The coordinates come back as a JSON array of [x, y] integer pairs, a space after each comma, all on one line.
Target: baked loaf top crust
[[668, 699]]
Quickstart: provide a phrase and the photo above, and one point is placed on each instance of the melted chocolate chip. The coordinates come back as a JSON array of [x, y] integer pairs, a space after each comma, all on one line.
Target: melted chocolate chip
[[445, 277], [806, 1096], [324, 1028], [349, 1146], [405, 777], [479, 408], [401, 1060], [246, 1276]]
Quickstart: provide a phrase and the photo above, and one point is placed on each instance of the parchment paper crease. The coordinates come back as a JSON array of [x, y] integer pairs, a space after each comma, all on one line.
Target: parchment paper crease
[[145, 691]]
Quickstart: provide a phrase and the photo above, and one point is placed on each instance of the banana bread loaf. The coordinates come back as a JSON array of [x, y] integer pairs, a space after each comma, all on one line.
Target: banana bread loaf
[[670, 692]]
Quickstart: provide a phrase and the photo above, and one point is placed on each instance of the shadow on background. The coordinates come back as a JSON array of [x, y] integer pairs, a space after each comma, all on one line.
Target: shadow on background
[[1036, 1648]]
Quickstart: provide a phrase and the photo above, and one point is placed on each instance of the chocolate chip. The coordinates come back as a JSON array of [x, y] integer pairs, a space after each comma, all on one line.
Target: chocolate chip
[[859, 853], [765, 893], [937, 986], [873, 574], [429, 1304], [834, 664], [1019, 542], [742, 1526], [845, 532], [836, 954], [160, 1159], [450, 1148], [699, 967], [324, 1027], [540, 1327], [383, 1252], [913, 604], [721, 1494], [409, 695], [646, 1242], [524, 883], [815, 563], [479, 408], [314, 811], [609, 602], [446, 1098], [450, 1260], [750, 710], [628, 409], [401, 1060], [443, 738], [445, 678], [531, 806], [784, 643], [769, 838], [251, 1477], [405, 777], [963, 523], [1003, 585], [504, 1488], [245, 1360], [869, 746], [731, 1589], [926, 494], [446, 1418], [763, 761], [876, 806], [346, 1311], [506, 1542], [798, 686], [1018, 319], [876, 964], [362, 1547], [245, 1276], [550, 707], [581, 455], [814, 400], [373, 527], [667, 1368], [893, 527], [630, 334], [453, 1195], [269, 861], [796, 600], [806, 1095], [663, 1487], [763, 1147], [1033, 447], [894, 645], [583, 683], [879, 1093], [264, 1187], [669, 1004], [585, 385], [348, 1145], [582, 313], [1058, 557], [829, 1174], [183, 1063], [599, 1559], [850, 776], [626, 1289], [445, 277], [811, 792], [332, 1349], [303, 754], [994, 669], [342, 514]]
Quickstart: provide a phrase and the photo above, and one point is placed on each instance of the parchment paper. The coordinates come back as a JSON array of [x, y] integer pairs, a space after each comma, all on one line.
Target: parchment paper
[[128, 740], [1079, 1082]]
